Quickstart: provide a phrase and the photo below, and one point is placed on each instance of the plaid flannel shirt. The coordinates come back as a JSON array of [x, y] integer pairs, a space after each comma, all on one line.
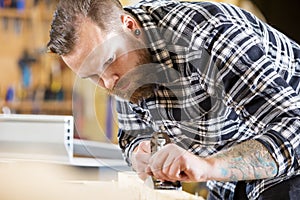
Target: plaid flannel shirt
[[236, 79]]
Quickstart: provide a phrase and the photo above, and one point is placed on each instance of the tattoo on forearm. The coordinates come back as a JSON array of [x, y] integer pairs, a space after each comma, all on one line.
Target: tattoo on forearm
[[246, 161]]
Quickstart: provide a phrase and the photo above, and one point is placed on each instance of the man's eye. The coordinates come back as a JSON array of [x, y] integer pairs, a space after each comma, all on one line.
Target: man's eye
[[110, 60]]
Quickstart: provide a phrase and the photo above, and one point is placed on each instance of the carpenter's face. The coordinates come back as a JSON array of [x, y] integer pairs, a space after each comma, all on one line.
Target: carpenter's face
[[112, 61]]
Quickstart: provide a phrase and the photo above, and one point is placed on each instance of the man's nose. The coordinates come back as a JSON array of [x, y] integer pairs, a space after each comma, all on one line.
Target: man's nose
[[110, 82]]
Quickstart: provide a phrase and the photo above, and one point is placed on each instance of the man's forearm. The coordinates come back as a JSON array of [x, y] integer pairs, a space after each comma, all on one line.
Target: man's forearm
[[246, 161]]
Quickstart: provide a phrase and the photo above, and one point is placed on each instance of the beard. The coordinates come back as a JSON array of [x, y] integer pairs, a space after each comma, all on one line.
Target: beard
[[144, 92], [136, 80], [136, 84]]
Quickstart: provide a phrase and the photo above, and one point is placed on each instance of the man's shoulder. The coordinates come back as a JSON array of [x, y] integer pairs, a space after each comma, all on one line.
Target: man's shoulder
[[185, 9]]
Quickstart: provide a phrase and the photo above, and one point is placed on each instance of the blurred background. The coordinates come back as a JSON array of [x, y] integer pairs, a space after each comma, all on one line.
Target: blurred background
[[34, 82]]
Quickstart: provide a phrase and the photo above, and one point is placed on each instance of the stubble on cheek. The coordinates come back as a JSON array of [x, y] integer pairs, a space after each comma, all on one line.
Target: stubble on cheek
[[134, 86]]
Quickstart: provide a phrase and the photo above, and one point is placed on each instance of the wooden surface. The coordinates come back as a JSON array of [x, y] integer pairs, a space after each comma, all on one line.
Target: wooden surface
[[129, 181], [51, 181]]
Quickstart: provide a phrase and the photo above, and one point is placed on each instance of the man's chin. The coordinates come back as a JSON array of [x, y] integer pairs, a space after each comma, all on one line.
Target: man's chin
[[132, 99], [137, 96], [125, 96]]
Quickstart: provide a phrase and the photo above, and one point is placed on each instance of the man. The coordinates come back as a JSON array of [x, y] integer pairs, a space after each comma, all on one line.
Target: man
[[221, 83]]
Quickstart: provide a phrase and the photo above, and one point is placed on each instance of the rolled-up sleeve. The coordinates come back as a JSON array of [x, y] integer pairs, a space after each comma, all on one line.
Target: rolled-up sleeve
[[256, 88]]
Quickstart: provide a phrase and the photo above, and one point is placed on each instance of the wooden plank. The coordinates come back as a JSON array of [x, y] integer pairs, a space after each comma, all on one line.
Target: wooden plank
[[130, 181]]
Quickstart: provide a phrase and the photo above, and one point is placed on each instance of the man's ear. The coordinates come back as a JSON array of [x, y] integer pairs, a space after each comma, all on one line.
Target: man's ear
[[129, 22]]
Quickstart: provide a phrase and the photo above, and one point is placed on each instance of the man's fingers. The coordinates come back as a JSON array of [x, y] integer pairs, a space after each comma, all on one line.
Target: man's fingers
[[140, 159], [145, 147], [142, 175]]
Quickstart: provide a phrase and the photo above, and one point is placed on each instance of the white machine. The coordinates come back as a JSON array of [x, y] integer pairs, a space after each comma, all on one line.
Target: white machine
[[40, 137], [50, 138]]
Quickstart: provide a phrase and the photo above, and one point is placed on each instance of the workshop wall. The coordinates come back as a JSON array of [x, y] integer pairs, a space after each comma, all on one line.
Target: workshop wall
[[32, 81]]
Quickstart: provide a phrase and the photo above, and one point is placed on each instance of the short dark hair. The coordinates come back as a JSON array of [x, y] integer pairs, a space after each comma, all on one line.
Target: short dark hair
[[70, 13]]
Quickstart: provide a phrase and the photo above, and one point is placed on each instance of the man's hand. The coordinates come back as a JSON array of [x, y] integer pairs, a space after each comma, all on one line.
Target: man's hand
[[140, 158], [249, 160], [172, 163]]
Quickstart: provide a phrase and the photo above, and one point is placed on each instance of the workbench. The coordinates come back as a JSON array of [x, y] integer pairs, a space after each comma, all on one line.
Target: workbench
[[40, 160], [33, 180]]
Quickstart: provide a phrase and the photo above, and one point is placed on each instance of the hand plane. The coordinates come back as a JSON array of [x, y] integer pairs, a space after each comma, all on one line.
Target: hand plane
[[158, 140]]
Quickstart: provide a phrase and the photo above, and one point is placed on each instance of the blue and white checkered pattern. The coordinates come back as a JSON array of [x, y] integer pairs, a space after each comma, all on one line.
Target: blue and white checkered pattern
[[236, 79]]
